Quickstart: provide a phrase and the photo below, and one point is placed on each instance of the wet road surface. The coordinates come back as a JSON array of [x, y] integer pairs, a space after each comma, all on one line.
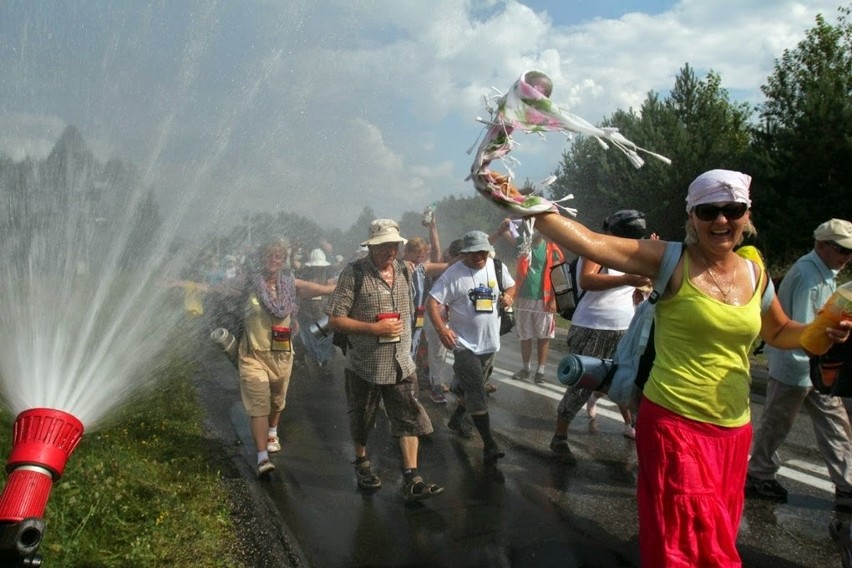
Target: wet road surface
[[529, 510]]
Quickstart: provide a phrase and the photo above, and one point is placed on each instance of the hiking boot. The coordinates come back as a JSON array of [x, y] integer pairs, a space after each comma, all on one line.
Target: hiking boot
[[458, 425], [768, 489], [491, 454], [273, 444], [415, 489], [265, 467], [538, 378], [367, 480], [521, 375], [561, 450], [843, 499]]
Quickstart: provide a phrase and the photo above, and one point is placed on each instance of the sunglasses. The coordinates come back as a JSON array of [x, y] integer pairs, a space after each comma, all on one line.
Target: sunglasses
[[841, 249], [709, 212]]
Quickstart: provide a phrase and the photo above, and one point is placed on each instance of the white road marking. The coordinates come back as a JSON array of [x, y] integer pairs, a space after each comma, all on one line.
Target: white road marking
[[810, 474]]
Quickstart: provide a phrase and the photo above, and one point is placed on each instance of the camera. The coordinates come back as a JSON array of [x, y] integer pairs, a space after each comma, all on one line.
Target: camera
[[581, 371], [320, 328]]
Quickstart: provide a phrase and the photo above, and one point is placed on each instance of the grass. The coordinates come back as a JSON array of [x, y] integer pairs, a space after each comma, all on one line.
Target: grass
[[145, 491]]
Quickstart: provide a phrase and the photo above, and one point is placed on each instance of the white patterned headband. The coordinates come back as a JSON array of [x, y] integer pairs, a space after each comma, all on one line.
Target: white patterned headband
[[719, 186]]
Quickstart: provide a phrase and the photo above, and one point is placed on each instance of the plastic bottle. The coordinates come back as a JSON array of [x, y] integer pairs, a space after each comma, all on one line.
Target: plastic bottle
[[838, 308], [428, 214], [226, 341]]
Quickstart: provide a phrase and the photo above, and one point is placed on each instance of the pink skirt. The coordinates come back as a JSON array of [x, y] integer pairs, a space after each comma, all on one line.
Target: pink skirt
[[690, 489]]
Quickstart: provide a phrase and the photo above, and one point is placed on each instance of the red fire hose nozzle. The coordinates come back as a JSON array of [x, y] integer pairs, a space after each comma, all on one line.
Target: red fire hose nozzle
[[43, 440]]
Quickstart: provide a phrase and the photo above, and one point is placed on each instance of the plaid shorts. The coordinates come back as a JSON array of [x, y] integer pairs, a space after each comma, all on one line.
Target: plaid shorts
[[406, 415]]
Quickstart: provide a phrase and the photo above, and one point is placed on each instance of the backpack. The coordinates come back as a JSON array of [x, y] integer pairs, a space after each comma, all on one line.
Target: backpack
[[507, 316], [635, 353], [566, 288], [836, 362], [341, 338]]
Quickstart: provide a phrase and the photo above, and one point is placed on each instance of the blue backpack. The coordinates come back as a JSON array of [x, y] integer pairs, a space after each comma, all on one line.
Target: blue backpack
[[635, 353]]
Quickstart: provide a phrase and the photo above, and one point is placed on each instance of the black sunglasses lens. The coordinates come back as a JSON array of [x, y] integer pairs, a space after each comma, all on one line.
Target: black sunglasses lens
[[841, 250], [733, 211]]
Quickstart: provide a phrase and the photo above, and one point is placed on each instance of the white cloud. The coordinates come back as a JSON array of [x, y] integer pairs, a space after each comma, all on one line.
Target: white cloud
[[368, 103]]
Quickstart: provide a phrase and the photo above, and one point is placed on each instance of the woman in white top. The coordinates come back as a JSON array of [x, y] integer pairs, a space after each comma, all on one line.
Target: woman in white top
[[601, 318]]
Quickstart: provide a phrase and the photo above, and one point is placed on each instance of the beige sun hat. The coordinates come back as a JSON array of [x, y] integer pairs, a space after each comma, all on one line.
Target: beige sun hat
[[837, 230], [384, 231]]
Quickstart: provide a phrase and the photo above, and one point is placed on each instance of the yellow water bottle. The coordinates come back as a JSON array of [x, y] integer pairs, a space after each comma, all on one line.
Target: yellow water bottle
[[838, 308]]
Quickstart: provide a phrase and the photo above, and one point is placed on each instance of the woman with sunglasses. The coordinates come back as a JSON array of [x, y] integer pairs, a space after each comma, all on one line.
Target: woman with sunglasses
[[694, 426]]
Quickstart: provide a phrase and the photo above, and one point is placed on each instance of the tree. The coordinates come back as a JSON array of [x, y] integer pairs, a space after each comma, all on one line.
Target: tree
[[803, 147], [696, 126]]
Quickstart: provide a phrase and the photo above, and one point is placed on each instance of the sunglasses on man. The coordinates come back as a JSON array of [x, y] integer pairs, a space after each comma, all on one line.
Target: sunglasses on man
[[842, 250], [709, 212]]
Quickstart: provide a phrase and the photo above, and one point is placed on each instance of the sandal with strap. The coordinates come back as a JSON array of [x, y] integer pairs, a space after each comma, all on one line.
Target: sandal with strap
[[367, 480], [415, 489]]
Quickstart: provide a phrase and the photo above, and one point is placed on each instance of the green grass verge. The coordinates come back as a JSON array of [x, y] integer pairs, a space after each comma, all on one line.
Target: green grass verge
[[145, 491]]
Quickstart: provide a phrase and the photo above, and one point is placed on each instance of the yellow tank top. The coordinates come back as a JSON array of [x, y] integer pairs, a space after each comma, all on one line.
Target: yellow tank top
[[701, 370]]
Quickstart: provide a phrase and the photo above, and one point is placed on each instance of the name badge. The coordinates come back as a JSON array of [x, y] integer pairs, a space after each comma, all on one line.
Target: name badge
[[281, 339]]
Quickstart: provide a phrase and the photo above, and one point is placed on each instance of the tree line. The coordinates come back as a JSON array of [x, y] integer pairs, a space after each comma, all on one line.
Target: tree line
[[797, 146]]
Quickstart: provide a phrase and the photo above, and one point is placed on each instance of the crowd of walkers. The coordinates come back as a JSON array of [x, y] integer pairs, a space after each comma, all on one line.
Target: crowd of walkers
[[693, 432]]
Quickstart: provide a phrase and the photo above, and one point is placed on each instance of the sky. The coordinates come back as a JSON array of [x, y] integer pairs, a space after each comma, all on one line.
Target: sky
[[323, 107]]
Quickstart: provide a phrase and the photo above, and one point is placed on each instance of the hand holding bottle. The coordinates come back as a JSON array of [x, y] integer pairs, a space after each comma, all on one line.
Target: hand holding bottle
[[817, 337]]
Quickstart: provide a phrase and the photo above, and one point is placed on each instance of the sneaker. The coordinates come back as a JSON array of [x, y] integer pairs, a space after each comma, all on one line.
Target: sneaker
[[592, 406], [367, 480], [562, 451], [629, 431], [768, 489], [415, 489], [538, 378], [273, 444], [491, 454], [843, 498], [437, 396], [265, 467], [521, 375], [460, 426]]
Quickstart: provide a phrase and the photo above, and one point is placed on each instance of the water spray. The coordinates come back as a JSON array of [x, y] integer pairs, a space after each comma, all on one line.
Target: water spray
[[42, 441]]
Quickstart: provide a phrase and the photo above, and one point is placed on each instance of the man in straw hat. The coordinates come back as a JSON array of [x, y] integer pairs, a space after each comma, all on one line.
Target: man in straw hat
[[372, 304]]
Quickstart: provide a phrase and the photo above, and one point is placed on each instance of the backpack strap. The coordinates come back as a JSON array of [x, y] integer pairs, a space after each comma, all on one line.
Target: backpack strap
[[768, 294], [358, 272], [671, 257], [498, 268]]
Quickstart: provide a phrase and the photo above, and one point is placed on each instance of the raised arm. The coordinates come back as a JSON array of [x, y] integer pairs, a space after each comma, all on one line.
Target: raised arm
[[434, 240], [633, 256]]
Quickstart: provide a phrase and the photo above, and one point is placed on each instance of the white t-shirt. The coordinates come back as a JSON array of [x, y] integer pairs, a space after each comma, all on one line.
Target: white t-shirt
[[605, 309], [477, 331]]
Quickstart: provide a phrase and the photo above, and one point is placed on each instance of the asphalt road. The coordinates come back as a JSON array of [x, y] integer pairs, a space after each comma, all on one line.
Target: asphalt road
[[530, 510]]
